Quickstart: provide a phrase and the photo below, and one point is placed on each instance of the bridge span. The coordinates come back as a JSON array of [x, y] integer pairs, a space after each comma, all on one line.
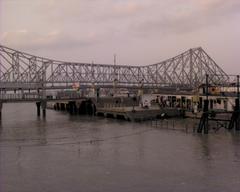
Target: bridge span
[[26, 71], [22, 73]]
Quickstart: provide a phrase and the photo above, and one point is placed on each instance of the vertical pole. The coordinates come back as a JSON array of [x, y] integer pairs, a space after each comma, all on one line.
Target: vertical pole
[[206, 107], [237, 106], [98, 94], [238, 91], [206, 91], [52, 72], [114, 60], [67, 75], [0, 110], [38, 108], [191, 68], [44, 101], [156, 73], [115, 74], [205, 122]]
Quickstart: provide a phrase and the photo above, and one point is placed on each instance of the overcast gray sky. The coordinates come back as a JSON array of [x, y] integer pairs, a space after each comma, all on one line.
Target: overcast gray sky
[[139, 31]]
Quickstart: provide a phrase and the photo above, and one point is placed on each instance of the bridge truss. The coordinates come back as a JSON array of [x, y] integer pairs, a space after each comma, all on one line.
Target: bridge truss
[[19, 70]]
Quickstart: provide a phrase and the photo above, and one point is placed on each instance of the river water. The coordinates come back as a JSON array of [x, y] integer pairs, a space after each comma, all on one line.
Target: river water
[[92, 154]]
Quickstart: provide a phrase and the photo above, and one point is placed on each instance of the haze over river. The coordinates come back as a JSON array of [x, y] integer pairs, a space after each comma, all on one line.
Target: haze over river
[[66, 153]]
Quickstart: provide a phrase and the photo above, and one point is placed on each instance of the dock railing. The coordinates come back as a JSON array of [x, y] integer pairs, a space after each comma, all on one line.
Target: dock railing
[[187, 125]]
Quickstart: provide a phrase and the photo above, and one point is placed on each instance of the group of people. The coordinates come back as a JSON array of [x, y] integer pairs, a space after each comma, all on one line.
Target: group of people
[[166, 102]]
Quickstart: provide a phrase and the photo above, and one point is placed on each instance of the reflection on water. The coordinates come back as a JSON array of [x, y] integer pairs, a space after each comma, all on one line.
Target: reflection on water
[[236, 145], [80, 153], [204, 144]]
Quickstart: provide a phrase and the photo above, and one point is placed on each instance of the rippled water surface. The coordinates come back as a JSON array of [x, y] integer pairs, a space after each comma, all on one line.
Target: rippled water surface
[[80, 153]]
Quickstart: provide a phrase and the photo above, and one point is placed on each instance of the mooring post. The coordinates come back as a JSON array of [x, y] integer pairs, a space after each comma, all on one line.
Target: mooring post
[[38, 108], [44, 106], [205, 110], [203, 124]]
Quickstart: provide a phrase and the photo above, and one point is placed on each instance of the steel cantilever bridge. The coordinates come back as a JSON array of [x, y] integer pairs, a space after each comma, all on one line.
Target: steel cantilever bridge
[[19, 70]]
